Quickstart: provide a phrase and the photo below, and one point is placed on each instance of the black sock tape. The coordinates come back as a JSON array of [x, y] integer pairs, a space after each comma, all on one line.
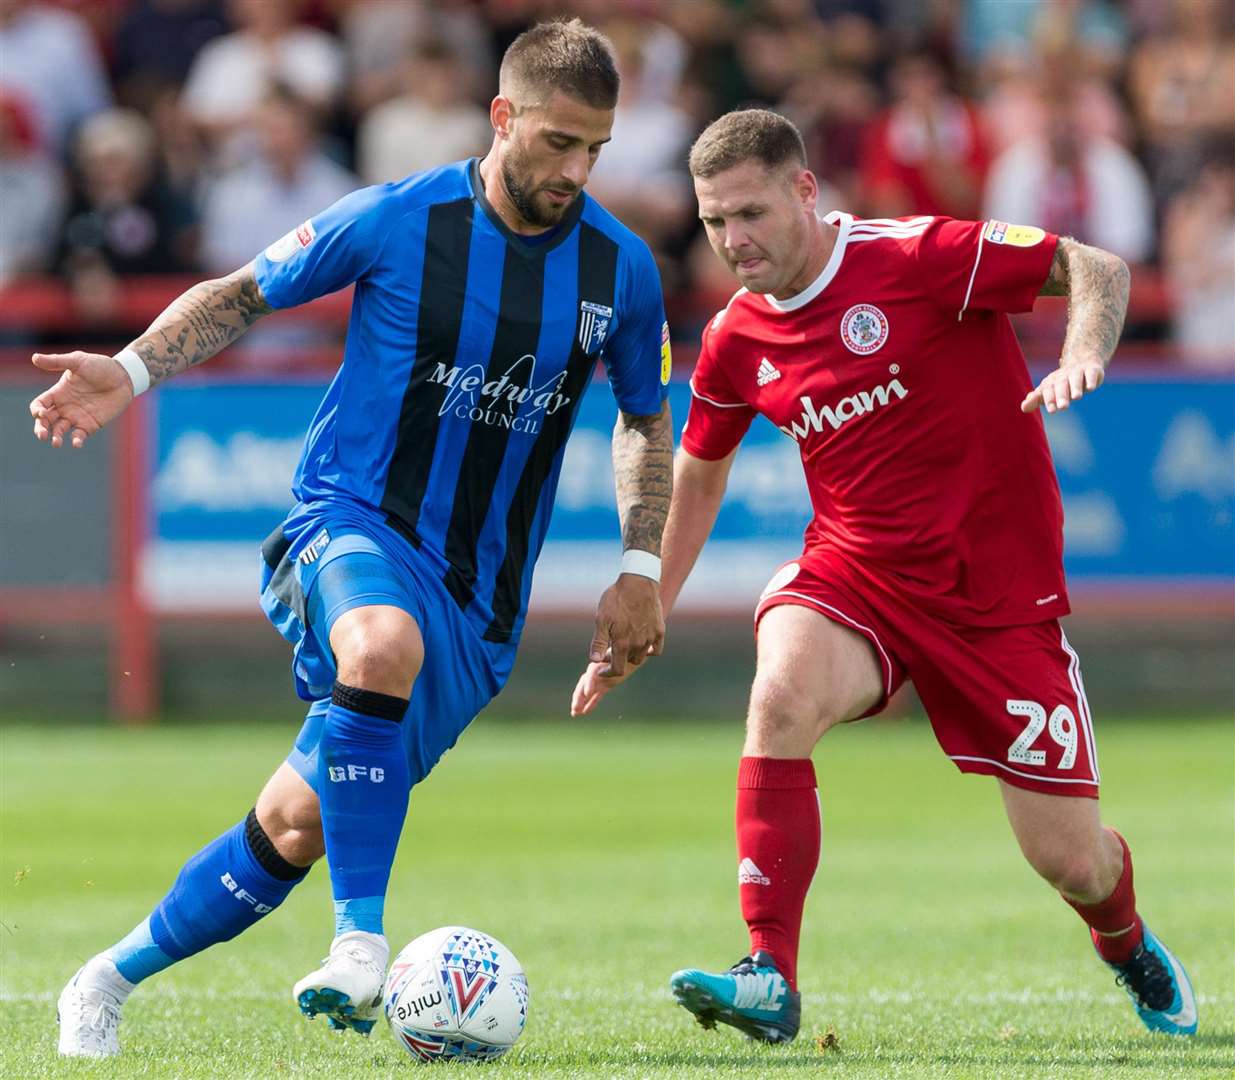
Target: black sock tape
[[267, 854], [369, 702]]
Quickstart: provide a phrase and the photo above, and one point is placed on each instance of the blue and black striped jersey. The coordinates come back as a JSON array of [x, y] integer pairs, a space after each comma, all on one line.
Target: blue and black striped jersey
[[468, 350]]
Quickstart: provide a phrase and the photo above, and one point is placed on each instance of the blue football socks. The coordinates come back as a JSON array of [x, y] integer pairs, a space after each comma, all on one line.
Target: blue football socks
[[223, 890], [363, 784]]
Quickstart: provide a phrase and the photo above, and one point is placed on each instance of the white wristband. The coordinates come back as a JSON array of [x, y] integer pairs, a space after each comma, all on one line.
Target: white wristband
[[643, 563], [132, 364]]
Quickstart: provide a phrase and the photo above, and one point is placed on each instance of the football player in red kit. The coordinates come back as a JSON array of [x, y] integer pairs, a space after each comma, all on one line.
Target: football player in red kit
[[883, 349]]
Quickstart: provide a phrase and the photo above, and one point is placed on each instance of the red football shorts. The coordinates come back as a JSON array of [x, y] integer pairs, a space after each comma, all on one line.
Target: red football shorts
[[1004, 701]]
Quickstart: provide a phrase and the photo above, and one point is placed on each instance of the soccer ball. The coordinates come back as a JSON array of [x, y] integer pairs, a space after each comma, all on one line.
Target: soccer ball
[[456, 993]]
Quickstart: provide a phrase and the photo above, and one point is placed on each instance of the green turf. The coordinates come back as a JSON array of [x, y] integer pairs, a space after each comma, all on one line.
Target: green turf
[[601, 852]]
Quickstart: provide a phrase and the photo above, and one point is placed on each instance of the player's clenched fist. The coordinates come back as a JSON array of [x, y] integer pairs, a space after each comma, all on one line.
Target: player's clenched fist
[[92, 390], [1065, 385]]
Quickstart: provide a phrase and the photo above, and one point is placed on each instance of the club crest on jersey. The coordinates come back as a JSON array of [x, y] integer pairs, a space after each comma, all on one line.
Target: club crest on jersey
[[593, 325], [864, 329]]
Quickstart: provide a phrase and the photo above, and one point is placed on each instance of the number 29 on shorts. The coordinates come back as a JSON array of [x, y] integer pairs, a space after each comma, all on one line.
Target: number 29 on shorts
[[1063, 730]]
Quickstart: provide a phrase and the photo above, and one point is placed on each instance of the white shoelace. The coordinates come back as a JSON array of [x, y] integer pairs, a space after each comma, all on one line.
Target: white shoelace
[[96, 1016], [358, 953], [104, 1016]]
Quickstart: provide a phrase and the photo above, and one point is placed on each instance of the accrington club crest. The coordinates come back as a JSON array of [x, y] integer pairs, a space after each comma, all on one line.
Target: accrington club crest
[[864, 329]]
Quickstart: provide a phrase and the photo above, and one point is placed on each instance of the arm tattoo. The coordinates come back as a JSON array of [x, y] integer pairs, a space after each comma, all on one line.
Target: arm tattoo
[[1096, 284], [643, 474], [200, 323], [1057, 281]]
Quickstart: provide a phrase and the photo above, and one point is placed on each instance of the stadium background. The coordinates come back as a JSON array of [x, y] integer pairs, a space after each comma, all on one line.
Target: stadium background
[[145, 144]]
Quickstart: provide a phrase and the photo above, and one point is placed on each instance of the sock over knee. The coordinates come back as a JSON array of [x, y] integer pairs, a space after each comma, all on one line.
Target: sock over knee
[[363, 784], [1113, 923], [224, 889], [778, 833]]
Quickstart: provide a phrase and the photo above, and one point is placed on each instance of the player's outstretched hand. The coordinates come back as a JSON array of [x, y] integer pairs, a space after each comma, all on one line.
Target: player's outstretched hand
[[630, 625], [1065, 385], [92, 390], [593, 685]]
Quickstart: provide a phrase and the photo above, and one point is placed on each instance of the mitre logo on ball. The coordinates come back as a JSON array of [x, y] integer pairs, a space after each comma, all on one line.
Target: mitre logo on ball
[[456, 993]]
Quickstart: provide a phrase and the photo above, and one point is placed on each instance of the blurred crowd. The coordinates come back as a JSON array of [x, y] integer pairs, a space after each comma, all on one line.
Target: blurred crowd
[[182, 136]]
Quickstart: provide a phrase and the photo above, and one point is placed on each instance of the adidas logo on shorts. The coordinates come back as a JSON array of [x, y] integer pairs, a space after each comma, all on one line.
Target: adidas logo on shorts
[[314, 548]]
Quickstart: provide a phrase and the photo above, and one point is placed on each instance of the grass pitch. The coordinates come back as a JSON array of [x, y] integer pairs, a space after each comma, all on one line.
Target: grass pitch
[[602, 853]]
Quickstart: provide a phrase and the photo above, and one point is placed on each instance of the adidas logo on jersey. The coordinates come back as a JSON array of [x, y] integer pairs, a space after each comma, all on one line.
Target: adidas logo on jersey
[[767, 373], [848, 408], [750, 874]]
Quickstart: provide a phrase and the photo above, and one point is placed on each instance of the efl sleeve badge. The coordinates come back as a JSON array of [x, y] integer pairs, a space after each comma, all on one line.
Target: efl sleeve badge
[[1000, 232], [291, 242]]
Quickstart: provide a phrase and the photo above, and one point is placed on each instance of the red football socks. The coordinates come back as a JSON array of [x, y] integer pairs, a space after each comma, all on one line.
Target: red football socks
[[778, 849], [1115, 915]]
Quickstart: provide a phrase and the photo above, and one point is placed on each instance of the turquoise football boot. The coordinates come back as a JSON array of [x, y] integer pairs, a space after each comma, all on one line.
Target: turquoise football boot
[[1159, 988], [751, 996]]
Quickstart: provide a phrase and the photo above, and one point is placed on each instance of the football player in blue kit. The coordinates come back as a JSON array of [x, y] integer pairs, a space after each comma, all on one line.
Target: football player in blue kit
[[485, 293]]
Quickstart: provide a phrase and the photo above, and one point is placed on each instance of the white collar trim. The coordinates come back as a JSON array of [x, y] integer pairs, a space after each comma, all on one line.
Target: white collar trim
[[836, 217]]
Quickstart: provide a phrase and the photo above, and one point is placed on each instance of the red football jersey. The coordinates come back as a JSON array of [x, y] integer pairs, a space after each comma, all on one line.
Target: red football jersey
[[898, 375]]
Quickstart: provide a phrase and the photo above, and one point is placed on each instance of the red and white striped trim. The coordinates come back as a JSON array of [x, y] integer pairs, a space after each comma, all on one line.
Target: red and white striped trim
[[1083, 716], [841, 617], [860, 237], [893, 223], [889, 226], [844, 222], [718, 404], [973, 274], [1083, 719], [1026, 775], [901, 231]]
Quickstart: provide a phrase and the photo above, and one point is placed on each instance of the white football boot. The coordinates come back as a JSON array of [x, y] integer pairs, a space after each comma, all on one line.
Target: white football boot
[[88, 1010], [348, 986]]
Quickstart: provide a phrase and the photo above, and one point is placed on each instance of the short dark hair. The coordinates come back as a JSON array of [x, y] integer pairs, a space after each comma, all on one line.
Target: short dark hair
[[746, 135], [565, 55]]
